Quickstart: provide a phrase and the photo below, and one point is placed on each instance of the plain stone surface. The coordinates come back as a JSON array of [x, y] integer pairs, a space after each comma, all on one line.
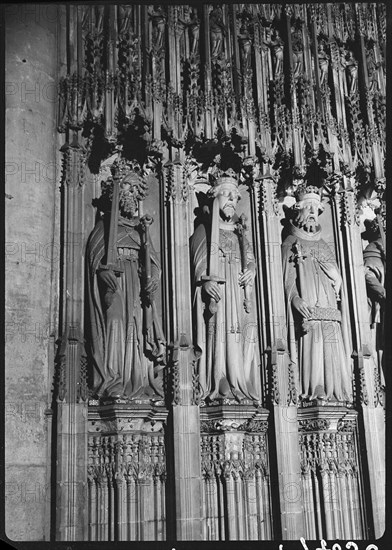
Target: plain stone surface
[[31, 153]]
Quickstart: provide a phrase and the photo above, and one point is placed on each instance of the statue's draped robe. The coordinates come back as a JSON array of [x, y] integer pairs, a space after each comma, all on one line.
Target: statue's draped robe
[[374, 261], [227, 341], [322, 354], [122, 334]]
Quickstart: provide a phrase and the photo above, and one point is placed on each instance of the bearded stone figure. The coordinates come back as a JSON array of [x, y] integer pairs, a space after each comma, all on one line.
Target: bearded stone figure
[[126, 340], [318, 339], [224, 302]]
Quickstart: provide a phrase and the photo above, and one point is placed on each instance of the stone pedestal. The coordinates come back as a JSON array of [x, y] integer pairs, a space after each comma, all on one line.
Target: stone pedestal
[[126, 472], [236, 493], [332, 485]]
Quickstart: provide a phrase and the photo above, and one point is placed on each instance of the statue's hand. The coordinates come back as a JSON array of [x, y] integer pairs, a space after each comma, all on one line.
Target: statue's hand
[[108, 278], [302, 307], [151, 286], [336, 286], [246, 277], [212, 289]]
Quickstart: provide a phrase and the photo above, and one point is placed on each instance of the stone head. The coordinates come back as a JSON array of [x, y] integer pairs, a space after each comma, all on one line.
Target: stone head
[[227, 195], [307, 210], [130, 194]]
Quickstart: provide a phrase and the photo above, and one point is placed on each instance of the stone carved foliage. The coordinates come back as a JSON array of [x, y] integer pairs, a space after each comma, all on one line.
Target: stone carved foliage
[[292, 396], [332, 452], [107, 106], [196, 390], [60, 370], [172, 377], [132, 456], [314, 425], [379, 389], [363, 391], [239, 459], [83, 391], [219, 426], [125, 424]]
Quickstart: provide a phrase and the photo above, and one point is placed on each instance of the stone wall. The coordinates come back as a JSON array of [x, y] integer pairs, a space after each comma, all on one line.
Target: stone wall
[[32, 254]]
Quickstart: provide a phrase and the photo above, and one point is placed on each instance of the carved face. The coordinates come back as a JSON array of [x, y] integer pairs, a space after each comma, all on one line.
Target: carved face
[[128, 196], [227, 196], [307, 215]]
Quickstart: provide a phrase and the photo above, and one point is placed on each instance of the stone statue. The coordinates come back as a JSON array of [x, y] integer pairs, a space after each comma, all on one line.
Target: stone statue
[[194, 27], [375, 261], [246, 49], [372, 69], [224, 303], [297, 49], [277, 46], [125, 336], [350, 64], [125, 19], [318, 339], [158, 17], [323, 59], [217, 31]]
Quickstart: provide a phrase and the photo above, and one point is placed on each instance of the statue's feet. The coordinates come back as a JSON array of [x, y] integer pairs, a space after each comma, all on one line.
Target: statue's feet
[[238, 396], [224, 388], [322, 397], [320, 394], [156, 398]]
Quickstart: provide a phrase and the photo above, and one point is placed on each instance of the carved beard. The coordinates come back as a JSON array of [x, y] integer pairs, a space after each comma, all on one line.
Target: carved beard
[[128, 204], [309, 225], [228, 211]]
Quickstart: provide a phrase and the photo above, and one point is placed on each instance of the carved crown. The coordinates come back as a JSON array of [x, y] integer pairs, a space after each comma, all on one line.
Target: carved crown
[[225, 178], [123, 167], [306, 191]]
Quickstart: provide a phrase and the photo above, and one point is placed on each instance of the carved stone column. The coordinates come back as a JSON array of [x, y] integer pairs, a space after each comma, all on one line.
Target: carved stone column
[[71, 391], [185, 411], [372, 419], [282, 383]]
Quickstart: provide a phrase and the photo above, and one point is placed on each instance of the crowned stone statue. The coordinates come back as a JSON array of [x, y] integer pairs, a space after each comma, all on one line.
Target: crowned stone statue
[[224, 303], [125, 336], [317, 337]]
